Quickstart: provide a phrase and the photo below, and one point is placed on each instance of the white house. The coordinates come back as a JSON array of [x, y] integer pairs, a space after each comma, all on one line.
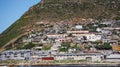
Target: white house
[[94, 37], [106, 32], [98, 29], [78, 26], [56, 35], [89, 37], [78, 32]]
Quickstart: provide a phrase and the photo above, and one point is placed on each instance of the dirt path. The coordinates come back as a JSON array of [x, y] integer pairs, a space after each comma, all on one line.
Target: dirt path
[[12, 41]]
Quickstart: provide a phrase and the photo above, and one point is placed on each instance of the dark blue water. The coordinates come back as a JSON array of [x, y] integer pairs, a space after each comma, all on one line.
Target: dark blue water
[[67, 66]]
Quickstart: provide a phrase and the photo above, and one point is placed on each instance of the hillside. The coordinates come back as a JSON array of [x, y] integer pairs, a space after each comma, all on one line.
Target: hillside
[[58, 10]]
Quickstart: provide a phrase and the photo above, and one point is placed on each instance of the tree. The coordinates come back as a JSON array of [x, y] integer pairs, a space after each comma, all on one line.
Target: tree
[[29, 46], [84, 37], [46, 47], [64, 47], [66, 44], [104, 46], [88, 47]]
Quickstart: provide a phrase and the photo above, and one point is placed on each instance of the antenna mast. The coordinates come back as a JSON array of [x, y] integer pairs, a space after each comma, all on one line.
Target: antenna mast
[[42, 3]]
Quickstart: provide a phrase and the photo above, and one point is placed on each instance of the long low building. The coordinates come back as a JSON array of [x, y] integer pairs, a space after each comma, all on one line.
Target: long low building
[[72, 56], [113, 58], [49, 56], [78, 32], [15, 55], [84, 56]]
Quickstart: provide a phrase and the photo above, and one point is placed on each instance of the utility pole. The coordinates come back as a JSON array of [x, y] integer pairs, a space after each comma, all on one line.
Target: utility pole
[[13, 45]]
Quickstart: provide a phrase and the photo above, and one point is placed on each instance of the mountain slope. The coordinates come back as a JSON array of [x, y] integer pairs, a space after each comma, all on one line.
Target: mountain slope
[[58, 10]]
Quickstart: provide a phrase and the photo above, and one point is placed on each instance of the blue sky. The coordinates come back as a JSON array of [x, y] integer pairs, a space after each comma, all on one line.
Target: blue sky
[[11, 10]]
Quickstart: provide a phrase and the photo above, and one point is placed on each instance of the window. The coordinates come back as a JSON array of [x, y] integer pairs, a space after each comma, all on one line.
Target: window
[[15, 54], [22, 54]]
